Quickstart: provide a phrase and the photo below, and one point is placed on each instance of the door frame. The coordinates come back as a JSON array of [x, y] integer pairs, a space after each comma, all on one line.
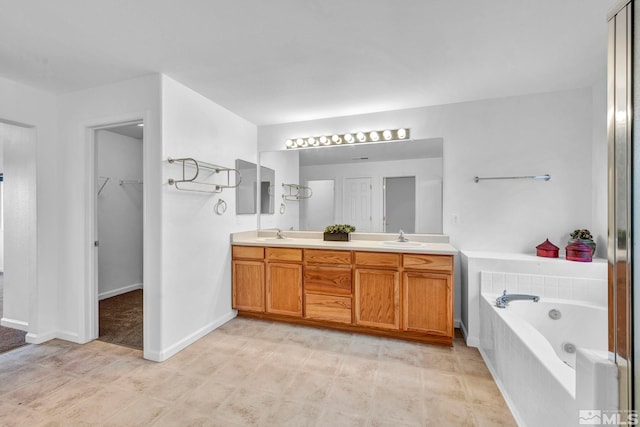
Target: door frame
[[91, 313]]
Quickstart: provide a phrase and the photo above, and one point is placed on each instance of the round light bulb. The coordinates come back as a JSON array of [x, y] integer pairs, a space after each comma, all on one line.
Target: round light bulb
[[402, 133], [324, 140], [374, 136], [290, 143], [361, 137], [387, 135], [312, 141], [348, 138], [300, 142], [336, 139]]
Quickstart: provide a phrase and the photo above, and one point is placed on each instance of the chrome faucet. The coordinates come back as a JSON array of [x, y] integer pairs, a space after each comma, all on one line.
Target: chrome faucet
[[401, 237], [503, 301], [279, 234]]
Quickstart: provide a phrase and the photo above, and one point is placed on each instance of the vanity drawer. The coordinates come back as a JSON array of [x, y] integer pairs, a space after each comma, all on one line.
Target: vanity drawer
[[377, 259], [443, 263], [247, 252], [327, 307], [330, 280], [284, 254], [322, 256]]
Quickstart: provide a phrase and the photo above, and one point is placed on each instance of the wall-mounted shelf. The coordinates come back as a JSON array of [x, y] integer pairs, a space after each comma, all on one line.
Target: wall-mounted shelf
[[195, 172]]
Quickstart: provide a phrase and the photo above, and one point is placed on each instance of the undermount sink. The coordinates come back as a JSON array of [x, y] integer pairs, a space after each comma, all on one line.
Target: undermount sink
[[402, 244]]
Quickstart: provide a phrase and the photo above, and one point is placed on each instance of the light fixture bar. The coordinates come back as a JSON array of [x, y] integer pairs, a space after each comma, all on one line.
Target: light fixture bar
[[349, 138]]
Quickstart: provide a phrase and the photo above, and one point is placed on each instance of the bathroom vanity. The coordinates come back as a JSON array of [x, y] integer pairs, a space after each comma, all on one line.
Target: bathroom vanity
[[367, 286]]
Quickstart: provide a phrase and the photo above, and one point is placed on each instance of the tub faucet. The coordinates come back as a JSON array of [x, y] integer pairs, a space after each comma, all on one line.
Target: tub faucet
[[503, 301], [401, 237], [279, 234]]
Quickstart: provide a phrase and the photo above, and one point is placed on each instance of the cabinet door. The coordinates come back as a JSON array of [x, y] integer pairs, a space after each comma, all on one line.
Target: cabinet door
[[248, 285], [377, 294], [284, 289], [428, 303]]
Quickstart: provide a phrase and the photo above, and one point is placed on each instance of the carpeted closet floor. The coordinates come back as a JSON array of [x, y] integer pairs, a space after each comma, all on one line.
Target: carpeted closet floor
[[9, 338], [121, 319]]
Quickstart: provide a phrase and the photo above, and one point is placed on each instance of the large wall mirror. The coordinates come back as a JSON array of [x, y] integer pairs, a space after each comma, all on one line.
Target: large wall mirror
[[247, 191], [384, 187]]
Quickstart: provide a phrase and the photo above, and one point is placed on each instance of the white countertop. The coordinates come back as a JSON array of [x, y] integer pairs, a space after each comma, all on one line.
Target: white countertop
[[360, 241]]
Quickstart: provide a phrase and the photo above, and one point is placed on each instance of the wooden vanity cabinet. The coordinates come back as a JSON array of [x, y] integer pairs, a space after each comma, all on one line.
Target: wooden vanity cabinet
[[248, 278], [377, 290], [427, 281], [400, 295], [284, 281], [327, 286]]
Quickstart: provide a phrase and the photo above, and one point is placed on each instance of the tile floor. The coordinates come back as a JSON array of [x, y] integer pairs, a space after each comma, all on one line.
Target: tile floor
[[251, 372]]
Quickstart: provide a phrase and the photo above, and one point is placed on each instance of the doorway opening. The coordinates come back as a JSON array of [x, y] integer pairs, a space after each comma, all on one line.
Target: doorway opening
[[17, 227], [399, 195], [118, 170]]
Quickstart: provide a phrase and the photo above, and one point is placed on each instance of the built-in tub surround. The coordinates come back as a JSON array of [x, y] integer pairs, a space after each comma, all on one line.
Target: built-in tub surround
[[472, 263], [557, 347]]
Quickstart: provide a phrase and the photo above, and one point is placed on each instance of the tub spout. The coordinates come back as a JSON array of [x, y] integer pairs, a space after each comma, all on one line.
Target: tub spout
[[503, 300]]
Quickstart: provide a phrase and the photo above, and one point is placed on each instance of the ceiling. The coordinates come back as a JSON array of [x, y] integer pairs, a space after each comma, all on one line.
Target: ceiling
[[374, 152], [280, 61]]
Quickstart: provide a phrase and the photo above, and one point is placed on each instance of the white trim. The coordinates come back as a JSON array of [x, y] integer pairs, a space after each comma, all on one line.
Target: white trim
[[40, 338], [14, 324], [509, 402], [163, 355], [119, 291], [456, 323]]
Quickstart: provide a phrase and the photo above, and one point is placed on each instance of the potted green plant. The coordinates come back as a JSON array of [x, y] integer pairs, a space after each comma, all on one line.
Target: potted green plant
[[585, 237], [338, 232]]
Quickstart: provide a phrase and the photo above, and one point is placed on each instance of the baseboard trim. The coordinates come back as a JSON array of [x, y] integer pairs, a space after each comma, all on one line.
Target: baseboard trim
[[40, 338], [162, 355], [119, 291], [70, 336], [14, 324], [457, 323]]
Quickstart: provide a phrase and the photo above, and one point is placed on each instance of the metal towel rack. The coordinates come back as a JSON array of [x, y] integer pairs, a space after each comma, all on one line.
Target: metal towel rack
[[546, 177], [296, 192], [200, 186]]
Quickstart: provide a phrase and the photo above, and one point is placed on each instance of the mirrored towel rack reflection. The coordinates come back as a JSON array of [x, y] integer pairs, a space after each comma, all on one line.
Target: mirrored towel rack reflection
[[195, 172], [130, 181], [546, 177], [295, 192]]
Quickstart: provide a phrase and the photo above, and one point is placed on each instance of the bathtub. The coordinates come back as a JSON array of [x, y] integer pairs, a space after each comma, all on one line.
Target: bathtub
[[548, 358]]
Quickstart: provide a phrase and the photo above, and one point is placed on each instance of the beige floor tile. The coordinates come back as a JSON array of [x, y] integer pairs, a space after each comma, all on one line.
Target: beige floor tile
[[251, 372], [142, 412]]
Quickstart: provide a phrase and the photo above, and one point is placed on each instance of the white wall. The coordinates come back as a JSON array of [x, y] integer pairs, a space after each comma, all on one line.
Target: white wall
[[78, 112], [599, 167], [196, 254], [286, 166], [525, 135], [1, 213], [428, 210], [34, 302], [119, 214]]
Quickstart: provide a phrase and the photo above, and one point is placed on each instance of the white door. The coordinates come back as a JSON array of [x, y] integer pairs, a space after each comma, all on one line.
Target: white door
[[356, 203]]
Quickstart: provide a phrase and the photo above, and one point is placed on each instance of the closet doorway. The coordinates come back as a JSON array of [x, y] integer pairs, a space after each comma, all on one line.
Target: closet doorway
[[119, 231]]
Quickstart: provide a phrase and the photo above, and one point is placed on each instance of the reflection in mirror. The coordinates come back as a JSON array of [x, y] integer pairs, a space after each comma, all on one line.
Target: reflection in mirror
[[381, 187], [246, 191], [267, 190]]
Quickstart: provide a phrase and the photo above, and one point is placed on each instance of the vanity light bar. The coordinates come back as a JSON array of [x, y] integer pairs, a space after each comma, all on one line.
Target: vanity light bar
[[349, 138]]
